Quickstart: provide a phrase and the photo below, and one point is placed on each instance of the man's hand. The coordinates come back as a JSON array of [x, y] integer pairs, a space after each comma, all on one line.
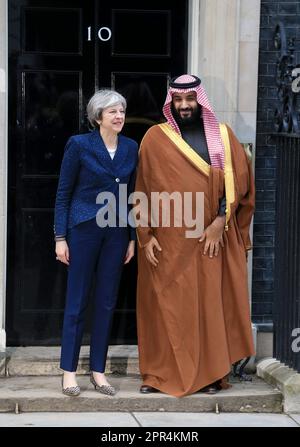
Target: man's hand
[[150, 251], [62, 252], [213, 236]]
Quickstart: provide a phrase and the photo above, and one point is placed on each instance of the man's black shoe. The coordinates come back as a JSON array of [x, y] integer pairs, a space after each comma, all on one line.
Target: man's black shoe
[[210, 389], [145, 389]]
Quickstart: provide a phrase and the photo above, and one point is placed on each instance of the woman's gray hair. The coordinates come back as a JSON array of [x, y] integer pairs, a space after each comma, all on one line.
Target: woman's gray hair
[[100, 101]]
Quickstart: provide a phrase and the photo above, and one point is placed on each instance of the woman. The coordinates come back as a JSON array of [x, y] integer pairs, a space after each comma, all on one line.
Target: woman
[[93, 163]]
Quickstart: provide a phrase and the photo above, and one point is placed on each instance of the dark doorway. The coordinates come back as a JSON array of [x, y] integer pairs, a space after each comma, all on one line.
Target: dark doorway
[[60, 52]]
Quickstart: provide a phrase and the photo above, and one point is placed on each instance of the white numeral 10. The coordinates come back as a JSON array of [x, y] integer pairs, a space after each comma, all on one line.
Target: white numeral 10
[[104, 33]]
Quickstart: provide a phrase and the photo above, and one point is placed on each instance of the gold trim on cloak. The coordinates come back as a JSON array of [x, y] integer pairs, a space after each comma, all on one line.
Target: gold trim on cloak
[[228, 173], [204, 167], [185, 148]]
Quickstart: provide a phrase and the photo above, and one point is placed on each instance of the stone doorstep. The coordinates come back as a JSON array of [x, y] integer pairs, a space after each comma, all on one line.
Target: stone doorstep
[[44, 361], [43, 394], [285, 379], [31, 383]]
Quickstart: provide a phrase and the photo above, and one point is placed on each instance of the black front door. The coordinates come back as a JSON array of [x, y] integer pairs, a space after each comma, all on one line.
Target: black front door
[[60, 52]]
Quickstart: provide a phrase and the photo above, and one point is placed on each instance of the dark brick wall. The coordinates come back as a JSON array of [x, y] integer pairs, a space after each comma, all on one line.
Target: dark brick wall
[[265, 164]]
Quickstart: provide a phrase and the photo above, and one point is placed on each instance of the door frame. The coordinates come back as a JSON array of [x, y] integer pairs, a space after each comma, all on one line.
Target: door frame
[[3, 165]]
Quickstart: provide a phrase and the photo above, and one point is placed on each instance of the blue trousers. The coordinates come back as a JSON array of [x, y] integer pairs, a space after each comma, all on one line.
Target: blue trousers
[[99, 251]]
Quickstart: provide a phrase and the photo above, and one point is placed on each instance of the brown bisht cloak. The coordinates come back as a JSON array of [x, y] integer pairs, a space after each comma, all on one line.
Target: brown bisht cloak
[[193, 311]]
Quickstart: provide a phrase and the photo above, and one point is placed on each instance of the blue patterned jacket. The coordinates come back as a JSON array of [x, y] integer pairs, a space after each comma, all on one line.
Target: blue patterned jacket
[[87, 169]]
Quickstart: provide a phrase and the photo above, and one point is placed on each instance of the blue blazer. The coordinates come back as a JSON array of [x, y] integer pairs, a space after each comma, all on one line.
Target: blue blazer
[[87, 169]]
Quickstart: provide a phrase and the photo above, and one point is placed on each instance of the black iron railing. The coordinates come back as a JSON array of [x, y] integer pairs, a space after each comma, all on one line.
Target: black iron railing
[[287, 236], [287, 252]]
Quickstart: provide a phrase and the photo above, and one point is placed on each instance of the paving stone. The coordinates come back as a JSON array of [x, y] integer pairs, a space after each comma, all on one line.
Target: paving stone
[[68, 420], [214, 420], [43, 394]]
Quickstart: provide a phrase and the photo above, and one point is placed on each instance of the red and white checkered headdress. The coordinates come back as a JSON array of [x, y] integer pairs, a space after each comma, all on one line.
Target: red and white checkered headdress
[[188, 83]]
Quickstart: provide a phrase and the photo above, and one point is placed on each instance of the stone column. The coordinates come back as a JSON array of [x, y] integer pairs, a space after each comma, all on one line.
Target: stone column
[[3, 165], [218, 48], [245, 117], [223, 51]]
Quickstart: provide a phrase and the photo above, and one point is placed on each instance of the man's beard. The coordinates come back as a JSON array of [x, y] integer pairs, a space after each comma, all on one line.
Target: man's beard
[[187, 120]]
